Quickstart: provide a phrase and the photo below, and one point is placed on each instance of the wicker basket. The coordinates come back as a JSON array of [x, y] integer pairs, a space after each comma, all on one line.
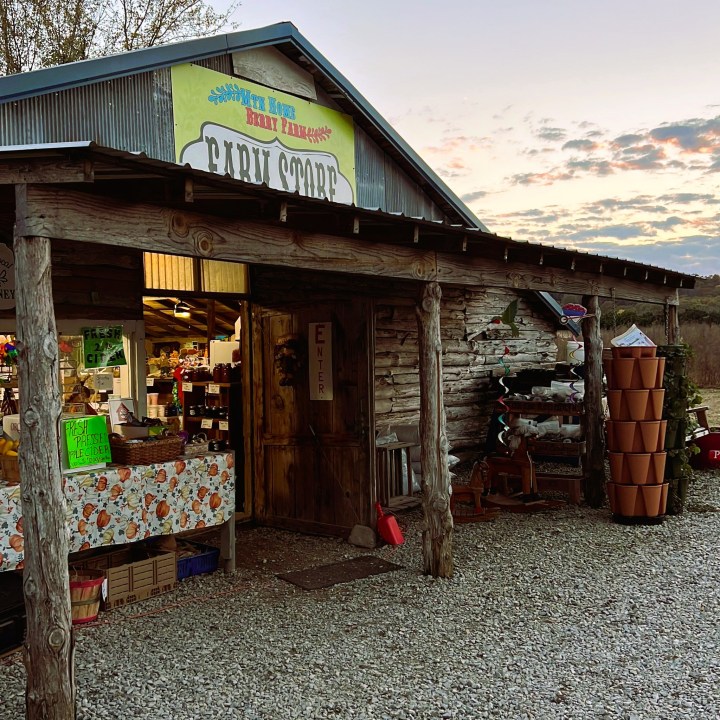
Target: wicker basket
[[10, 469], [199, 445], [145, 452]]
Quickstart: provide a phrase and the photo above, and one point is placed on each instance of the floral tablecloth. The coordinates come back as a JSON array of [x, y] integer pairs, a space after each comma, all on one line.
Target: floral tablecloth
[[119, 504]]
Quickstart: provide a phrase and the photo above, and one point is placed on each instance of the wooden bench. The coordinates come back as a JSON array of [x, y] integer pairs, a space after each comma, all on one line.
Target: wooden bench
[[700, 412]]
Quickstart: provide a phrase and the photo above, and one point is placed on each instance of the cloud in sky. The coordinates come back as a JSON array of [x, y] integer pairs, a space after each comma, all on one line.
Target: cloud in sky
[[662, 204]]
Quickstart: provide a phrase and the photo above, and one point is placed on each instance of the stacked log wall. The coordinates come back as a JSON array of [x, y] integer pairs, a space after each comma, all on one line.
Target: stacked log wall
[[472, 348]]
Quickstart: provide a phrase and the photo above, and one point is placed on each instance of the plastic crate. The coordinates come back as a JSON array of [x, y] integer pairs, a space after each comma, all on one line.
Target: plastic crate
[[204, 561]]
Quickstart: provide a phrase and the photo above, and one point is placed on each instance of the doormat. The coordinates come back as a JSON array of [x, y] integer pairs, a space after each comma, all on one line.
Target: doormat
[[324, 576], [511, 504]]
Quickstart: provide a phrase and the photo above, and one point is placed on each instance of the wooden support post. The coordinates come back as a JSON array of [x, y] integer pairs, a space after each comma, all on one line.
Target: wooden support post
[[438, 531], [672, 325], [227, 544], [594, 438], [49, 643]]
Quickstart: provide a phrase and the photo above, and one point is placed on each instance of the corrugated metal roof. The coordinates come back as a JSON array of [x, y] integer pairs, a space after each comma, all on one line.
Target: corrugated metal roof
[[38, 82]]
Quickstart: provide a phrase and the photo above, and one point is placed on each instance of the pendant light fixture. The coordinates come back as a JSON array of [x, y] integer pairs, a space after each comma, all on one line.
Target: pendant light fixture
[[182, 309]]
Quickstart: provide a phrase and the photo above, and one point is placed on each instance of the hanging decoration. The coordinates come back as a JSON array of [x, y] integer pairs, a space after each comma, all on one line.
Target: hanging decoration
[[506, 371], [508, 318], [573, 371], [573, 311], [290, 354]]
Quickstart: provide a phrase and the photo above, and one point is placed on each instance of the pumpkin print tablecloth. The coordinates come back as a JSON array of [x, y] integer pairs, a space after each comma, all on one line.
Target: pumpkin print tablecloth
[[118, 504]]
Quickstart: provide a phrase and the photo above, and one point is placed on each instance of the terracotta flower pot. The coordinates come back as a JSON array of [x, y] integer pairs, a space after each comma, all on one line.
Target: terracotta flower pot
[[648, 368], [650, 434], [625, 496], [622, 370], [660, 372], [636, 402], [634, 351], [610, 487], [625, 439], [619, 471], [657, 468], [655, 404], [663, 498], [639, 467], [616, 405], [612, 445], [652, 496]]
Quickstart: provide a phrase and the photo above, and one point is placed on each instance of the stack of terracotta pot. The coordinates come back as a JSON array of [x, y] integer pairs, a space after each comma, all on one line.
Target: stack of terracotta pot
[[636, 432]]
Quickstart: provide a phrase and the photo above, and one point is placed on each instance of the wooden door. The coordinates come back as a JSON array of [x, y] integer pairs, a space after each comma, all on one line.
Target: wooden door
[[312, 458]]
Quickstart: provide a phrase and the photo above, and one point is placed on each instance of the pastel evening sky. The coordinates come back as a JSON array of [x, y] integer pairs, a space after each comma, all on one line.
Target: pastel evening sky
[[586, 124]]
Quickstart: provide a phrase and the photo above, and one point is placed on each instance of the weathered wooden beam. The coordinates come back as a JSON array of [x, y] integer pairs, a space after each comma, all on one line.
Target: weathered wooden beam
[[594, 425], [50, 212], [49, 646], [438, 533], [59, 213], [461, 269], [45, 171]]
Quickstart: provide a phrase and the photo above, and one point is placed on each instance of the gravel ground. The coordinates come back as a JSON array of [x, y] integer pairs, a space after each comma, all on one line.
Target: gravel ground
[[561, 614]]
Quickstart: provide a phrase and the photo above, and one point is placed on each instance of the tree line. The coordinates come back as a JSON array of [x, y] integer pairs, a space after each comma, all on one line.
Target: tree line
[[41, 33]]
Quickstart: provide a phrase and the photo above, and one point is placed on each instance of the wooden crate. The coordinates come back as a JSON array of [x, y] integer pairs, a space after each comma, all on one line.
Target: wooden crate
[[131, 577]]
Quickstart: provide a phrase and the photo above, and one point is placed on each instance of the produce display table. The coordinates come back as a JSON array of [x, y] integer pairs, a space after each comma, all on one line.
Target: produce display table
[[123, 504]]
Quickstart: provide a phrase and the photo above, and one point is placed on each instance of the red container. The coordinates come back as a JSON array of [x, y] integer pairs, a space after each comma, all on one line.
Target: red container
[[709, 456], [388, 528]]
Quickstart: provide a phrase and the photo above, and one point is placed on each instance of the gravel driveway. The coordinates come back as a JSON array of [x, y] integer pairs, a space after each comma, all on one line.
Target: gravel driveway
[[562, 614]]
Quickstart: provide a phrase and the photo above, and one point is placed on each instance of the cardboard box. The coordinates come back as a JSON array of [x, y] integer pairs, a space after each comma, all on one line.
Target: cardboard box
[[134, 574]]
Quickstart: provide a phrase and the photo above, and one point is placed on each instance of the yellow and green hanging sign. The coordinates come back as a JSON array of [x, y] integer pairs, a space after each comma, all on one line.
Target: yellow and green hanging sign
[[234, 127]]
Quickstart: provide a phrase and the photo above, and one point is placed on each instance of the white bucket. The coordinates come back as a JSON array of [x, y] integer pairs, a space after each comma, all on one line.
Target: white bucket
[[575, 352]]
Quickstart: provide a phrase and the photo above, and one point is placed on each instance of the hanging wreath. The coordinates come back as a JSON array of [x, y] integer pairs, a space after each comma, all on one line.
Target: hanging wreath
[[290, 353]]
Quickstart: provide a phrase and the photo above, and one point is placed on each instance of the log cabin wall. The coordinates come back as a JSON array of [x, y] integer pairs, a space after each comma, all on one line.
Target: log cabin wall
[[93, 282], [472, 347]]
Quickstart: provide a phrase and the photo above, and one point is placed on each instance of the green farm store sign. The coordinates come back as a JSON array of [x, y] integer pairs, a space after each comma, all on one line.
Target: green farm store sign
[[103, 347], [86, 440]]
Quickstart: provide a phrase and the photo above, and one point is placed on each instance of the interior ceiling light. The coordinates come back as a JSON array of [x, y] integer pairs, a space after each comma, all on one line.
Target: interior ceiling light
[[181, 309]]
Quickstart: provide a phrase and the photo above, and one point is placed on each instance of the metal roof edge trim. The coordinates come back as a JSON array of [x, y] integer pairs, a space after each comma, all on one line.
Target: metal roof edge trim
[[364, 107], [86, 72], [554, 306]]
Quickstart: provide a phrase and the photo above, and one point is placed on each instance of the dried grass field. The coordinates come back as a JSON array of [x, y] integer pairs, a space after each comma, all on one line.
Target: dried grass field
[[711, 398]]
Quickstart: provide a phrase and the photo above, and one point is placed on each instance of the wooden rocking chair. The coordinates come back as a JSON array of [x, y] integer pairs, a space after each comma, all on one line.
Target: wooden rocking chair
[[472, 493], [518, 464]]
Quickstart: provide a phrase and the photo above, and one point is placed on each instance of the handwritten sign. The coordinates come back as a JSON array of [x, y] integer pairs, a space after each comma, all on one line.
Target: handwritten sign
[[7, 278], [213, 389], [103, 346], [86, 441], [224, 425], [206, 423], [187, 387], [320, 361]]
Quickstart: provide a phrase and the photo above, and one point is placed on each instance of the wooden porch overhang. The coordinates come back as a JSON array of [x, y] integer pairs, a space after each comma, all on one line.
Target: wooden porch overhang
[[70, 190]]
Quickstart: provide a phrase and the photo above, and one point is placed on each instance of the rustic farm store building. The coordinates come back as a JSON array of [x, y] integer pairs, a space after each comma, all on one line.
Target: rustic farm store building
[[245, 170]]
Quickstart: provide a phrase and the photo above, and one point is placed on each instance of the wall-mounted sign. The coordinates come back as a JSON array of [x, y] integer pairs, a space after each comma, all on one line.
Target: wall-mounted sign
[[320, 361], [252, 133], [85, 441], [7, 277], [103, 346]]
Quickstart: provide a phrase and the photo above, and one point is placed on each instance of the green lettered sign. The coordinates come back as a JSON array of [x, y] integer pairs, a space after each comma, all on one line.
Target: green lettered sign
[[103, 346], [86, 440]]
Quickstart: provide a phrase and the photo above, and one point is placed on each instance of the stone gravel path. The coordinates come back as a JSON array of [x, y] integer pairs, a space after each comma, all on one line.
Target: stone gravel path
[[562, 614]]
